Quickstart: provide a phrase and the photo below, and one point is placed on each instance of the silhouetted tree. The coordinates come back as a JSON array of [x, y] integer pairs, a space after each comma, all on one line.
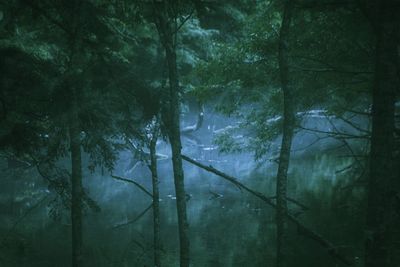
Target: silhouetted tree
[[287, 133], [166, 20], [382, 220]]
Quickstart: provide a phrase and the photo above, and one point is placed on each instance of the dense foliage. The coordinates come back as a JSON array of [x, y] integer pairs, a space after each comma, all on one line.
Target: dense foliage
[[294, 104]]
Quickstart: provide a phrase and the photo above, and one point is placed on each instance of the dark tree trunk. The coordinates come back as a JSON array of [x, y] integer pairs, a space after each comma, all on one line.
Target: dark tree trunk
[[287, 136], [381, 187], [156, 202], [176, 146], [167, 29], [76, 184]]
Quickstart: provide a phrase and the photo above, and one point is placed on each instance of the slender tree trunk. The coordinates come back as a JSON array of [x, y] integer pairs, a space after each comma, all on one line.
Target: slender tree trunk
[[76, 183], [287, 136], [176, 146], [167, 31], [380, 209], [156, 202]]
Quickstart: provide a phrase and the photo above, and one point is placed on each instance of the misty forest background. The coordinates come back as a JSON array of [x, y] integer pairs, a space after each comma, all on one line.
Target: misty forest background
[[199, 133]]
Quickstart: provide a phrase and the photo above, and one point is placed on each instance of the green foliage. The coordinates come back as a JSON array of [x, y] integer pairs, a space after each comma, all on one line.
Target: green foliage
[[23, 100], [103, 68], [330, 67]]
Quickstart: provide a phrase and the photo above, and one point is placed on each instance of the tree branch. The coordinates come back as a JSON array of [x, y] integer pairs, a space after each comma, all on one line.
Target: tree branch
[[133, 182], [185, 19], [135, 219], [337, 135]]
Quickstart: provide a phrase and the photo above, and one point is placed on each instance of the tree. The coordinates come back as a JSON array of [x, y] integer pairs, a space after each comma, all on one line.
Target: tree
[[156, 196], [167, 26], [80, 107], [287, 133], [147, 139], [382, 183], [325, 74]]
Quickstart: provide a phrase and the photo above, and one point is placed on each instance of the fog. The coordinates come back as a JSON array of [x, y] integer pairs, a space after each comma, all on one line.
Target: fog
[[222, 218]]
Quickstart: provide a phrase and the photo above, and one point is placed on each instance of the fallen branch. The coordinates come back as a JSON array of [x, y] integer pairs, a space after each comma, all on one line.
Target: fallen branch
[[133, 182], [301, 228], [136, 218]]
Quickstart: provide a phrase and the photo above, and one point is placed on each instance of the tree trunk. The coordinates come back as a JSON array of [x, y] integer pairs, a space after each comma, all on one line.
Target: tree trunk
[[167, 31], [156, 202], [380, 209], [176, 146], [287, 136], [76, 184]]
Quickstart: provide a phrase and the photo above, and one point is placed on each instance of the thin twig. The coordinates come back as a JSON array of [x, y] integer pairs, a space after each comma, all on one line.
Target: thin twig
[[135, 219], [184, 21]]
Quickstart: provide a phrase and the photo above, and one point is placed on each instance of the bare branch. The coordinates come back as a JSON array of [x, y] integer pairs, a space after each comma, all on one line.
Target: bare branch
[[133, 182], [185, 19], [355, 126], [140, 215], [337, 135]]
